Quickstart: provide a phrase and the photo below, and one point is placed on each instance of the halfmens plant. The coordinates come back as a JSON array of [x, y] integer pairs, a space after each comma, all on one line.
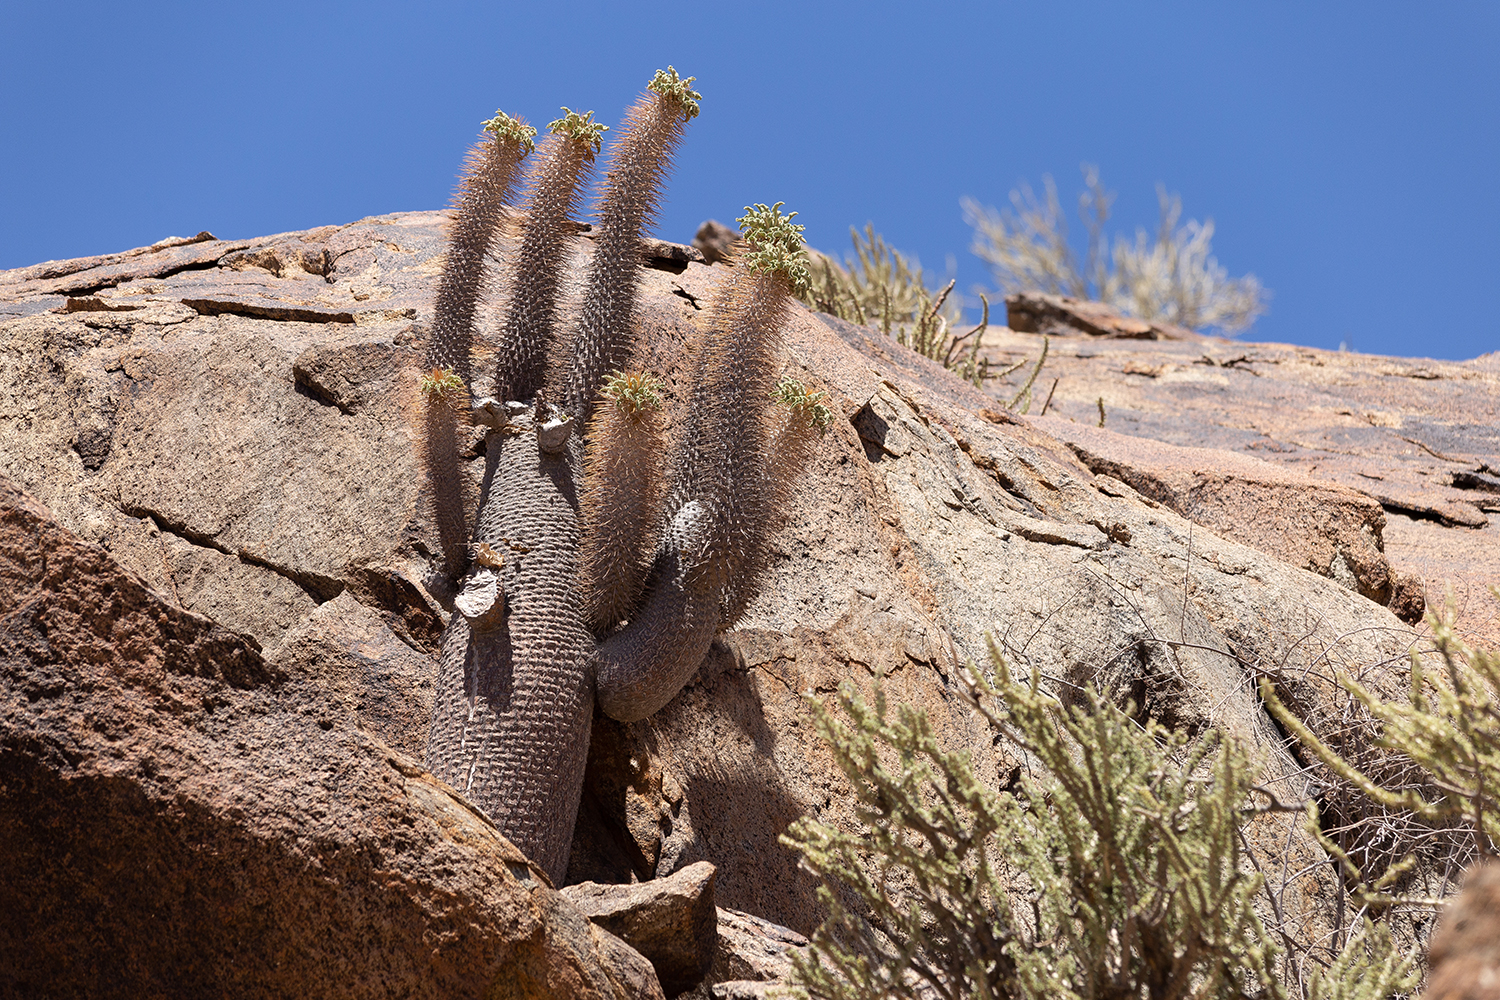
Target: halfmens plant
[[621, 494], [609, 548]]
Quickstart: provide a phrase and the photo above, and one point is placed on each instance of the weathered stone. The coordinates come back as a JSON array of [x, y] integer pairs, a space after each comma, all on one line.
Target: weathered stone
[[85, 276], [714, 240], [670, 920], [1063, 315], [346, 654], [750, 950], [178, 819], [1417, 436], [1464, 958], [1330, 529]]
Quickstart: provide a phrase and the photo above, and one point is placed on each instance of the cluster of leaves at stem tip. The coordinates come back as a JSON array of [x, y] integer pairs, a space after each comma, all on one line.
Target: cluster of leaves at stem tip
[[776, 245], [668, 84], [633, 392], [813, 404], [503, 127], [1110, 867], [441, 383], [581, 127]]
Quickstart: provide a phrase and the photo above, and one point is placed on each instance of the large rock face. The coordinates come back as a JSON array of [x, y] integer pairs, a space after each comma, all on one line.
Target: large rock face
[[225, 421], [1421, 438], [179, 818]]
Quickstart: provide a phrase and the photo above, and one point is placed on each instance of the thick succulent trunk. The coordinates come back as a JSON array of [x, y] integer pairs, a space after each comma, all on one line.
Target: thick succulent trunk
[[515, 695]]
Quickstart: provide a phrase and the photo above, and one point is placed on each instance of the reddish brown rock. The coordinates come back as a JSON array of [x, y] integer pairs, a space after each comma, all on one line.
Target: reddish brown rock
[[1063, 315], [1464, 958], [179, 819], [346, 654], [714, 239], [752, 957], [1330, 529], [1415, 435]]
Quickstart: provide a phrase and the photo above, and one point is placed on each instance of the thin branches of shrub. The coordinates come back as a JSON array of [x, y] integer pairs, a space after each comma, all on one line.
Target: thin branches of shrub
[[1112, 866], [878, 286], [1171, 276], [1448, 730]]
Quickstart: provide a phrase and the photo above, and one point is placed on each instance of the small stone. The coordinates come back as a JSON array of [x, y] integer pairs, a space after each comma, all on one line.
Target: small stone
[[672, 921], [552, 436], [482, 599], [714, 239]]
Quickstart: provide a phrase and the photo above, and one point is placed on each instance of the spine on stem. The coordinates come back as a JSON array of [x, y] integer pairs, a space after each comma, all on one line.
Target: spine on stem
[[729, 463], [618, 507], [535, 273]]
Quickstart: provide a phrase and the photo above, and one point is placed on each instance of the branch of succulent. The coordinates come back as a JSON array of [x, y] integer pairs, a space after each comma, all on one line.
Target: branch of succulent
[[488, 182], [608, 554], [621, 494], [640, 159], [722, 495], [562, 163]]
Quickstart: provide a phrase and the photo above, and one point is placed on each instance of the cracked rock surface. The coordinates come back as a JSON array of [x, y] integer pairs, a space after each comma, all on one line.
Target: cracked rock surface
[[223, 425]]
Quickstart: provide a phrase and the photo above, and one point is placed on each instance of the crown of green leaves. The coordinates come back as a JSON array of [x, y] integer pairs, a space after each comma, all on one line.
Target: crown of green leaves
[[504, 127], [668, 84], [633, 392], [794, 395], [581, 127], [775, 243]]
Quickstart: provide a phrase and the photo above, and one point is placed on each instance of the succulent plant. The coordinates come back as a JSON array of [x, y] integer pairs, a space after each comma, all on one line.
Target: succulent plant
[[603, 559]]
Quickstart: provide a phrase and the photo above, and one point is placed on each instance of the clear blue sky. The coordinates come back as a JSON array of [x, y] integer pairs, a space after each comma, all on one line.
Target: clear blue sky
[[1348, 153]]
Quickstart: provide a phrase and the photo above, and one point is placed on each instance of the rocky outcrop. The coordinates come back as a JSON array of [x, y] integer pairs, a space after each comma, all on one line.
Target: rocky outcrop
[[1414, 435], [1330, 529], [1039, 312], [714, 240], [179, 818], [233, 432]]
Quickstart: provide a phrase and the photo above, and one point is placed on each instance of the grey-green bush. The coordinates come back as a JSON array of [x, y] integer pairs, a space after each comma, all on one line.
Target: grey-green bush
[[1112, 868]]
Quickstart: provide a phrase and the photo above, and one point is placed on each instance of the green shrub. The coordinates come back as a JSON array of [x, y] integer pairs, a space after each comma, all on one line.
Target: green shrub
[[880, 287], [1111, 868]]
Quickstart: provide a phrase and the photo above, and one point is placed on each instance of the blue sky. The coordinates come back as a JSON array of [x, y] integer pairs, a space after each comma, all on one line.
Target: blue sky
[[1346, 152]]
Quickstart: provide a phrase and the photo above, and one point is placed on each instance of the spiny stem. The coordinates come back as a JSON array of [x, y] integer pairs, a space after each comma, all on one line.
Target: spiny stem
[[488, 182], [490, 175], [640, 159], [536, 271]]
